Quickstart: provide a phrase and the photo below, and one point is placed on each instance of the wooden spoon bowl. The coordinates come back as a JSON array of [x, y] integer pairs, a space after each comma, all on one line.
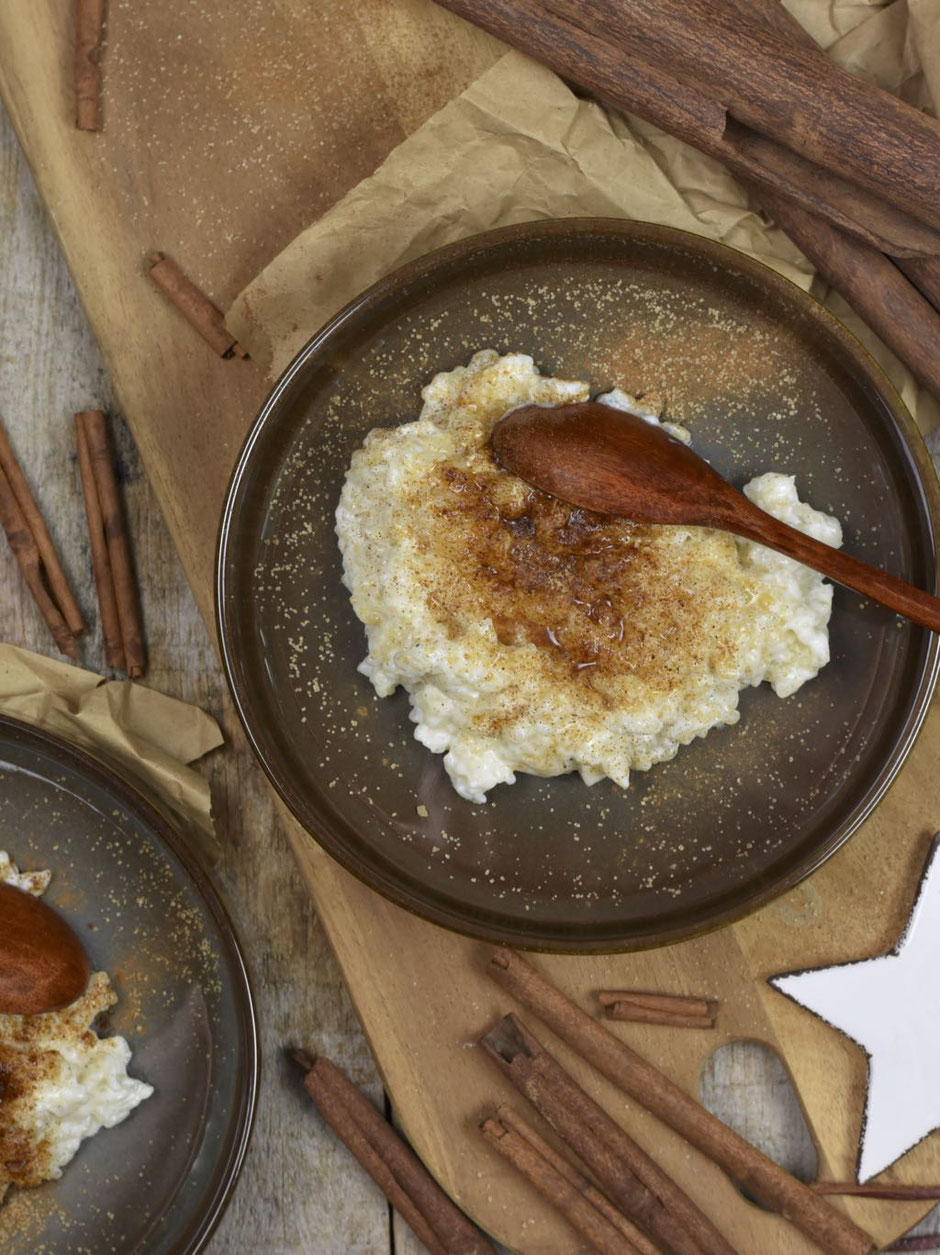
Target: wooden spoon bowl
[[612, 462], [43, 965]]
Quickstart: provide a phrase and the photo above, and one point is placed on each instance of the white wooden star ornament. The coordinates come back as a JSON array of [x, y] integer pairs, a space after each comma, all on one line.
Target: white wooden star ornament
[[890, 1006]]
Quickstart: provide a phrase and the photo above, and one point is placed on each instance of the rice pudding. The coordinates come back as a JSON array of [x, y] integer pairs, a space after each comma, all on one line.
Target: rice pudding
[[533, 636]]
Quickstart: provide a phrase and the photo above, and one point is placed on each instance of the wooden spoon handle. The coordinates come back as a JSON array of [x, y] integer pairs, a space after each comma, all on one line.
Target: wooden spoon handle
[[897, 595]]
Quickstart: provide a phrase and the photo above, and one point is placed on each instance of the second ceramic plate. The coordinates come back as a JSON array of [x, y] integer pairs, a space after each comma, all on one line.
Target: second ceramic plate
[[148, 916], [765, 379]]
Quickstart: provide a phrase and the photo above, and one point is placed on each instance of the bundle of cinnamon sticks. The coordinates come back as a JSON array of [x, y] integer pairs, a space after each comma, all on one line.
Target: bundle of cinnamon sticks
[[621, 1202], [89, 32], [670, 1010], [848, 171], [39, 563]]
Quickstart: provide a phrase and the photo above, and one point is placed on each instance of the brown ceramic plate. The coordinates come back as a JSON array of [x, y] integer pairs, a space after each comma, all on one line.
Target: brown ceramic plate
[[125, 881], [765, 379]]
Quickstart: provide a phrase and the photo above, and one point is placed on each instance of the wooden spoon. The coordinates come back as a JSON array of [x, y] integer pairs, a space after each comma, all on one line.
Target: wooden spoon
[[605, 460], [42, 963]]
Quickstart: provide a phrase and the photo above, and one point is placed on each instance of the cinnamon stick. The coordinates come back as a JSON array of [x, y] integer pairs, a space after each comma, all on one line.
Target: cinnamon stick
[[782, 89], [18, 533], [55, 575], [854, 209], [621, 76], [871, 1189], [511, 1120], [393, 1165], [101, 563], [680, 1004], [115, 531], [758, 1174], [924, 273], [89, 28], [194, 305], [775, 16], [633, 1181], [558, 1189], [630, 1012]]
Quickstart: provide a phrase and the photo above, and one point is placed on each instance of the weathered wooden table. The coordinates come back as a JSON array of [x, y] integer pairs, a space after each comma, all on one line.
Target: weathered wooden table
[[299, 1190]]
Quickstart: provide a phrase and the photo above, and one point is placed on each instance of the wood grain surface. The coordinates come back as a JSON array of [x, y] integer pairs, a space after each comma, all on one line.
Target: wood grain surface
[[295, 102]]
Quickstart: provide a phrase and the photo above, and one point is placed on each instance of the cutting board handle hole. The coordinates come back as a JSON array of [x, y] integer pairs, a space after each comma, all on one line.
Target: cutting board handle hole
[[746, 1085]]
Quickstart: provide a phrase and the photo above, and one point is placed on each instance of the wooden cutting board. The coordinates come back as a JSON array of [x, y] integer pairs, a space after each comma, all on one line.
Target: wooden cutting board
[[226, 130]]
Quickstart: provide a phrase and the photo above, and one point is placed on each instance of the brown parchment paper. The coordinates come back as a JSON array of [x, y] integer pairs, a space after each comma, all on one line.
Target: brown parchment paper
[[519, 145], [148, 736]]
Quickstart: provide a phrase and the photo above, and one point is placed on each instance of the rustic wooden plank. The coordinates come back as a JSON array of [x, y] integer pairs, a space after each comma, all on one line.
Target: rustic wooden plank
[[313, 96]]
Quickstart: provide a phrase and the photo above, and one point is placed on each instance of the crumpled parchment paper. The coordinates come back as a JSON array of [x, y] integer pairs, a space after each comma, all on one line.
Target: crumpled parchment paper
[[147, 736], [518, 145]]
